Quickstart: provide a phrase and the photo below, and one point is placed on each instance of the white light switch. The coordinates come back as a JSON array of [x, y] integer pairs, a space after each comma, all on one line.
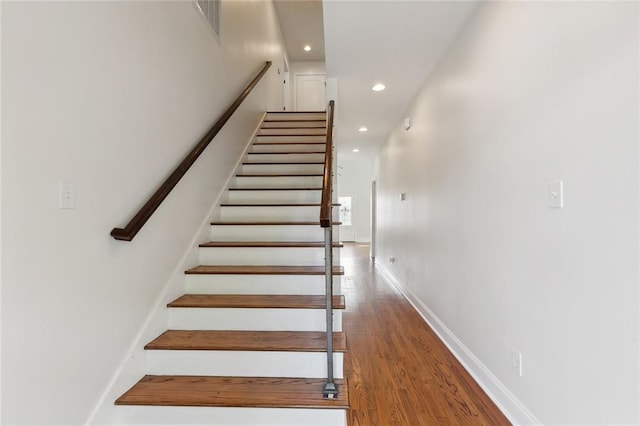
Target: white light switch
[[555, 195], [67, 196]]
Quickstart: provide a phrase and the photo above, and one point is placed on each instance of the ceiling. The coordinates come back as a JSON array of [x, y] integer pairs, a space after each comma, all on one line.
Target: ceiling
[[301, 23], [394, 42]]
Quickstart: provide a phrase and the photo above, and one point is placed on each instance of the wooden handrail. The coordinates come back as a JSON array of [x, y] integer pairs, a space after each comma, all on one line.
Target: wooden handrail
[[129, 232], [325, 206]]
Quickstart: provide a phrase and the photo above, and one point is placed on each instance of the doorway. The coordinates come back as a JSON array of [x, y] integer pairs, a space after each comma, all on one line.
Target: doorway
[[372, 248], [346, 217]]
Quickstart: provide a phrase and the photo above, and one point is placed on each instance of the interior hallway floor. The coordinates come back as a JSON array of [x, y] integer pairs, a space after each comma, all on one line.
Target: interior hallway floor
[[399, 371]]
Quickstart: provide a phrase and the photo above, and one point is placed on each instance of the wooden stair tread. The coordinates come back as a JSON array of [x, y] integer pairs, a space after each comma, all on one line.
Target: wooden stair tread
[[290, 143], [261, 270], [304, 223], [269, 244], [223, 340], [286, 152], [266, 301], [249, 163], [256, 392], [273, 189], [273, 205], [278, 175], [290, 134], [280, 120]]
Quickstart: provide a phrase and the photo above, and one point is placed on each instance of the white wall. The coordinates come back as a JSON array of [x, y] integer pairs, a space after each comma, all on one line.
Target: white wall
[[108, 96], [302, 68], [530, 93], [354, 178]]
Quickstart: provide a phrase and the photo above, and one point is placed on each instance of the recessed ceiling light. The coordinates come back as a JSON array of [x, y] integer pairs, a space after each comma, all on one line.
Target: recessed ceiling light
[[307, 48], [379, 87], [356, 150], [362, 129]]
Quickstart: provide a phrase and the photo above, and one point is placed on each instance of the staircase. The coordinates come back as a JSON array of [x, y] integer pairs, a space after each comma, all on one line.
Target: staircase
[[246, 344]]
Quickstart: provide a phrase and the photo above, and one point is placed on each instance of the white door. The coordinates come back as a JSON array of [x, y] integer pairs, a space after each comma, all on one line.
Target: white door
[[310, 92], [347, 228]]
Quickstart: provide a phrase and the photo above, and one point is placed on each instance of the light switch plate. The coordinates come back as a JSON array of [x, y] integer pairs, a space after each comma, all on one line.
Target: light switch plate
[[555, 195]]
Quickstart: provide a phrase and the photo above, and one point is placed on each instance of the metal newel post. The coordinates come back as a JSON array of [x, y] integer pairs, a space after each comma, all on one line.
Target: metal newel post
[[330, 389]]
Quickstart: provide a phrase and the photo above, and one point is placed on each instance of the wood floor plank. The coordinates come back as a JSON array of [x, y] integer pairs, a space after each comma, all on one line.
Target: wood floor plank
[[268, 244], [271, 301], [399, 371], [262, 270], [216, 340], [204, 391]]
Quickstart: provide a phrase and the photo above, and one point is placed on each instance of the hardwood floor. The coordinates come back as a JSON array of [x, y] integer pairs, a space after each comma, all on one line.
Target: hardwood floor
[[398, 371]]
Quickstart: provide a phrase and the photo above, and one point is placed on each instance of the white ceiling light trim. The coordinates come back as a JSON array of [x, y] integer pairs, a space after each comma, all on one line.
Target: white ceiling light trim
[[362, 129], [378, 87], [307, 48], [355, 150]]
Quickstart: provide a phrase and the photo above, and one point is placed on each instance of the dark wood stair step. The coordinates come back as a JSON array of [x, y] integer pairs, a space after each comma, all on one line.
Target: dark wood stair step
[[286, 152], [216, 340], [279, 175], [269, 244], [273, 205], [290, 143], [264, 301], [299, 223], [261, 270], [256, 392], [273, 189], [249, 163]]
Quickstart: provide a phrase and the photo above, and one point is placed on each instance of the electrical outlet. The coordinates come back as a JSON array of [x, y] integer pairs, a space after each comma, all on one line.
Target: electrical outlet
[[67, 199], [516, 361]]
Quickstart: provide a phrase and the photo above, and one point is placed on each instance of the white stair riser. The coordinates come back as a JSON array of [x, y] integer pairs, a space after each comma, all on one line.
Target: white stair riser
[[288, 147], [278, 182], [258, 284], [265, 213], [285, 139], [276, 158], [297, 132], [282, 168], [258, 319], [265, 256], [296, 116], [242, 363], [229, 416], [280, 124], [274, 196], [268, 233]]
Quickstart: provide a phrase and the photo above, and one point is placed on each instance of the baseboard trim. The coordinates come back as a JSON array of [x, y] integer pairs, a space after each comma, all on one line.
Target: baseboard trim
[[515, 411]]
